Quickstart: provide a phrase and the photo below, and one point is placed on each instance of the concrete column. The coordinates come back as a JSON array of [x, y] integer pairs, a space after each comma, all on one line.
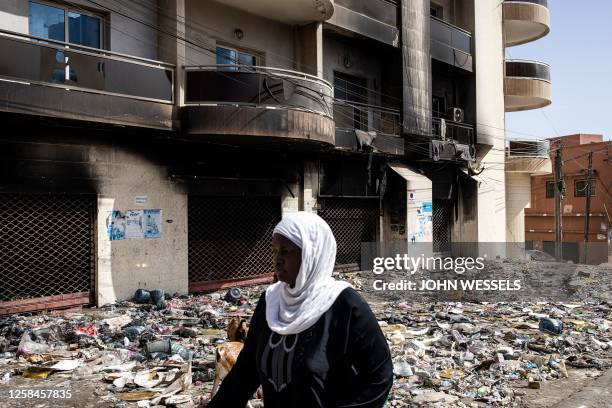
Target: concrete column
[[416, 67], [310, 182], [172, 48], [518, 197], [489, 68], [150, 263], [309, 49]]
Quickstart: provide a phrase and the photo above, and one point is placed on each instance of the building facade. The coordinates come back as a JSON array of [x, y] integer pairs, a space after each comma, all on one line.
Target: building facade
[[540, 217], [155, 144]]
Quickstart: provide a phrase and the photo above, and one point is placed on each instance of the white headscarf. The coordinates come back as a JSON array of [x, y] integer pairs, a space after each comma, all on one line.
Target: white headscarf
[[293, 310]]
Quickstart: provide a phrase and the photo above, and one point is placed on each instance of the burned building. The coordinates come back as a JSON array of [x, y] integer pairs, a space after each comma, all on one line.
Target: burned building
[[156, 143]]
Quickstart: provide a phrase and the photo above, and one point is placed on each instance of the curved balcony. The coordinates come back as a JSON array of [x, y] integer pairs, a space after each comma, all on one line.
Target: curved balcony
[[528, 156], [526, 85], [44, 77], [268, 103], [525, 21], [286, 11]]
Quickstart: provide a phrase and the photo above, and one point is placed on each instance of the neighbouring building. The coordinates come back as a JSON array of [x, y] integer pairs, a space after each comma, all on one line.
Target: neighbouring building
[[156, 143], [540, 217]]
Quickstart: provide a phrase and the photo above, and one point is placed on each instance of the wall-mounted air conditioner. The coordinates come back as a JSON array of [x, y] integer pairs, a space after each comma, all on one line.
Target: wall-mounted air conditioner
[[456, 114]]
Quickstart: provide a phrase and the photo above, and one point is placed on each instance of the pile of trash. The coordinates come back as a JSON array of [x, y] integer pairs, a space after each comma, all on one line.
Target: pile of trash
[[153, 350], [159, 350], [485, 352]]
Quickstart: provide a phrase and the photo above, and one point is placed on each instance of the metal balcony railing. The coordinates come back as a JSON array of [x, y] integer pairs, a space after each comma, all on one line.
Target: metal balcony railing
[[40, 61], [527, 69], [263, 87], [350, 116], [460, 132], [451, 44], [384, 11], [527, 148], [540, 2]]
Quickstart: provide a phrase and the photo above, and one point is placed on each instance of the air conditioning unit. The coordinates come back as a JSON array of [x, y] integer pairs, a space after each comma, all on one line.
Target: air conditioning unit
[[456, 114]]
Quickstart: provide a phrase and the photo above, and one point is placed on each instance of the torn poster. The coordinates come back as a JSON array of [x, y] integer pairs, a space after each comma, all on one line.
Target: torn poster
[[152, 223], [116, 226], [133, 224]]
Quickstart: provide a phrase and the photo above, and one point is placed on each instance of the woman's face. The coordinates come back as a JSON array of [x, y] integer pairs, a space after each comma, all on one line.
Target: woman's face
[[287, 259]]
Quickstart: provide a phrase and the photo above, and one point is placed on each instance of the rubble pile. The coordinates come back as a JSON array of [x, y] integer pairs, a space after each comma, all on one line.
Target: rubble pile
[[160, 350]]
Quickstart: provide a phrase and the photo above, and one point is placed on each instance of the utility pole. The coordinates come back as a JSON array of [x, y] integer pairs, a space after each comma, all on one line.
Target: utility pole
[[588, 206], [559, 188]]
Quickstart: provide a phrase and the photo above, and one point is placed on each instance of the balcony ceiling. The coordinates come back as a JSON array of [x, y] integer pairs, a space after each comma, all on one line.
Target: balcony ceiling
[[524, 22], [286, 11], [526, 93], [535, 166]]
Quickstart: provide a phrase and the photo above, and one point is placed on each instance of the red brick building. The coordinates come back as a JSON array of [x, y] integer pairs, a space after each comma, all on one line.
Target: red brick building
[[540, 218]]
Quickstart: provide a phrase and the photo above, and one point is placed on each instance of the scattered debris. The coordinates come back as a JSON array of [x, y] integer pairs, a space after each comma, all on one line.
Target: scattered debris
[[136, 353]]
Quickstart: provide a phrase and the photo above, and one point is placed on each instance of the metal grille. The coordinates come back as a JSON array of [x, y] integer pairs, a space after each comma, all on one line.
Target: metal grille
[[353, 221], [46, 245], [230, 237], [441, 225]]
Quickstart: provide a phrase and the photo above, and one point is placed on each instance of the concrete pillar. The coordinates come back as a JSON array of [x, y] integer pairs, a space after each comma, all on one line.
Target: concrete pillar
[[131, 263], [416, 67], [310, 186], [309, 49], [171, 20], [518, 197], [489, 68]]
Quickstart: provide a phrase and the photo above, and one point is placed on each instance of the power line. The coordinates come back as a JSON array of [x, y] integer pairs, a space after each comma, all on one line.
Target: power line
[[213, 52]]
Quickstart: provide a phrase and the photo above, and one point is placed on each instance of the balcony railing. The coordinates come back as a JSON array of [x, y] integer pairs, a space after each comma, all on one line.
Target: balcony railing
[[460, 132], [540, 2], [527, 69], [376, 19], [261, 87], [33, 60], [527, 148], [451, 44], [382, 10], [350, 116]]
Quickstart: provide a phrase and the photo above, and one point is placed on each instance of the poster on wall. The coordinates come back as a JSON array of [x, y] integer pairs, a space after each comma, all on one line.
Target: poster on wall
[[116, 226], [133, 224], [411, 196], [152, 223], [426, 207]]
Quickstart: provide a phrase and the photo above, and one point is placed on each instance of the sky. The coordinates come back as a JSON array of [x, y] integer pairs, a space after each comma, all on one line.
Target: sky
[[579, 51]]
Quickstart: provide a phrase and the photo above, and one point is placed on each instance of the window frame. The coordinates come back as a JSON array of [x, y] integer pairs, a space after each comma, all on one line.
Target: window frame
[[67, 10], [583, 190], [259, 57], [550, 183]]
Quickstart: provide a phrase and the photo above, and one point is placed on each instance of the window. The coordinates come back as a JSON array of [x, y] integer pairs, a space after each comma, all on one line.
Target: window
[[435, 11], [580, 187], [351, 89], [550, 189], [438, 106], [231, 56], [64, 24]]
